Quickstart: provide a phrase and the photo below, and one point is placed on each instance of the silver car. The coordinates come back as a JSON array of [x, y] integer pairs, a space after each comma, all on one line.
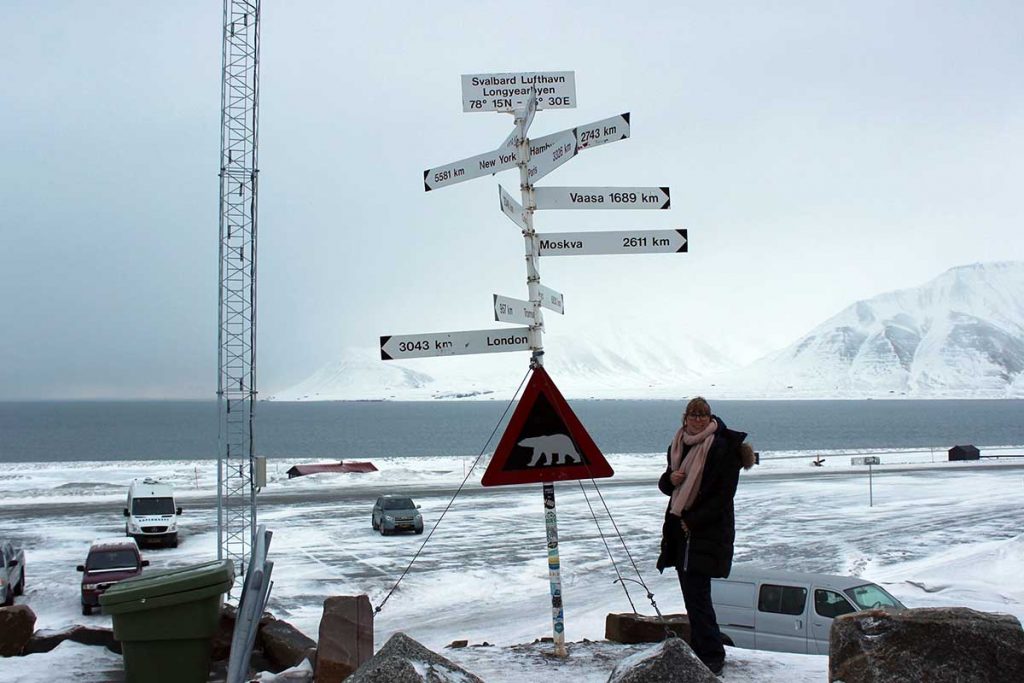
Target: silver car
[[396, 513]]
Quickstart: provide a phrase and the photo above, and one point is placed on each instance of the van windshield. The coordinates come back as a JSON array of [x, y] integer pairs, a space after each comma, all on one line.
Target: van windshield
[[153, 506], [112, 560], [869, 595]]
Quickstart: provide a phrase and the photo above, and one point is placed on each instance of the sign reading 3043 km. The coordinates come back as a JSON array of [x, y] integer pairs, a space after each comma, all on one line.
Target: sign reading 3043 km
[[454, 343]]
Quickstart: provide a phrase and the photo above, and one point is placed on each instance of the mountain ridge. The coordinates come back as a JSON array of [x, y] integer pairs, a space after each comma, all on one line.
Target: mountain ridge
[[960, 335]]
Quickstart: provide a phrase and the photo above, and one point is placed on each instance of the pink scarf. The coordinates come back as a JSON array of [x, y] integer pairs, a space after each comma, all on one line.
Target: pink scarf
[[693, 467]]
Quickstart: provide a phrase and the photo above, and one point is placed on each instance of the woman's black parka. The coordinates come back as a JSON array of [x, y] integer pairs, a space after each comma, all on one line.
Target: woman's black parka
[[711, 520]]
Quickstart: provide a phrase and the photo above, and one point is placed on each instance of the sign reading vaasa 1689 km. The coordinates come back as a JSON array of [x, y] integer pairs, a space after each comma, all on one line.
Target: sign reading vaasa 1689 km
[[506, 92], [602, 197], [613, 242], [453, 343]]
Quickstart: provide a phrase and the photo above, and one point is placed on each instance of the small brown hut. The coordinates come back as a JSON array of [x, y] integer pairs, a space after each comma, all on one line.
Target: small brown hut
[[968, 452]]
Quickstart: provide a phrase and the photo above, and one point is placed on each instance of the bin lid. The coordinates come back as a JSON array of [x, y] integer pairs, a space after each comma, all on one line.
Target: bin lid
[[163, 582]]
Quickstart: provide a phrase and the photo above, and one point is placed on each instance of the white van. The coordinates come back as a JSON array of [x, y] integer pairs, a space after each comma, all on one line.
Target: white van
[[151, 515], [788, 611]]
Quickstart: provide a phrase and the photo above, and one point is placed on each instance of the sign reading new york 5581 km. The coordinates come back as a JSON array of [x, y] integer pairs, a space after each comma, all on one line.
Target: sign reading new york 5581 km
[[506, 92]]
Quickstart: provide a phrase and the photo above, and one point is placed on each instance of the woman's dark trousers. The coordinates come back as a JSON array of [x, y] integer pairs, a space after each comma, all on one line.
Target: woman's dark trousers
[[705, 638]]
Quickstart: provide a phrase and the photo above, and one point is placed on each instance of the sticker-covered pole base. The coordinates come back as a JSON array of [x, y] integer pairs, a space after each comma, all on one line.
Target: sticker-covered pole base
[[554, 570]]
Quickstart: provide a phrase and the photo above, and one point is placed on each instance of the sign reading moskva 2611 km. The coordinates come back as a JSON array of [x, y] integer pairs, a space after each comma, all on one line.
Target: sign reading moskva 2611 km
[[506, 92], [454, 343], [613, 242]]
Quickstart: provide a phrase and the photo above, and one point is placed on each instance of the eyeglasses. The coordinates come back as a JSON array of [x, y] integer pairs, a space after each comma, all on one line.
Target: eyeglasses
[[698, 416]]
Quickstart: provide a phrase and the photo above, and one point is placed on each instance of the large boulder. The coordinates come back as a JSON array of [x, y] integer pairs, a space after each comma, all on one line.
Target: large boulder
[[926, 644], [640, 628], [346, 637], [403, 660], [44, 641], [283, 645], [16, 626], [670, 661]]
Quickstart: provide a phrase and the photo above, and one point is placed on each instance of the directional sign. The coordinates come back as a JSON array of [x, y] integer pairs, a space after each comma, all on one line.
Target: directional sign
[[507, 91], [551, 299], [612, 129], [550, 152], [453, 343], [509, 310], [613, 242], [544, 441], [467, 169], [511, 208], [602, 197]]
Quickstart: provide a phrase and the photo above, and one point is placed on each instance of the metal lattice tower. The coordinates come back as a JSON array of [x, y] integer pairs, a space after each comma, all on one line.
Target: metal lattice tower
[[236, 334]]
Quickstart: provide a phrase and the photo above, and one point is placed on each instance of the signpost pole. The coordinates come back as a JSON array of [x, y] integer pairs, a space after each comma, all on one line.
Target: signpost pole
[[871, 490], [532, 246]]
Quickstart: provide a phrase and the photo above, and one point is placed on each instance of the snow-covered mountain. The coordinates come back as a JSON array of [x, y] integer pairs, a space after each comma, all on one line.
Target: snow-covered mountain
[[960, 335], [609, 362]]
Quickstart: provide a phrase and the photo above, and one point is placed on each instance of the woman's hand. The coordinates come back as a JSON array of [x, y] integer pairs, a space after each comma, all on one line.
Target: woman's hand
[[677, 477]]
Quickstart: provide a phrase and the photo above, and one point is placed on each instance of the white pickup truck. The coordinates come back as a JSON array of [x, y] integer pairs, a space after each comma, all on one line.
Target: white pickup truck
[[12, 573]]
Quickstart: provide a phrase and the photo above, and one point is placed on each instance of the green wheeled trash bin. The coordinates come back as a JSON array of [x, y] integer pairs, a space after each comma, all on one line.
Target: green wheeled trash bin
[[166, 619]]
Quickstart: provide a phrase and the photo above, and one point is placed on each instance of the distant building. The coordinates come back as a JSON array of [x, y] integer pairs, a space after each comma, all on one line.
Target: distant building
[[300, 470], [968, 452]]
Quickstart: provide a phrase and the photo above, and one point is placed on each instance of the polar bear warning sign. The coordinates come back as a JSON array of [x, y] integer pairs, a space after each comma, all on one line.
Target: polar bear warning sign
[[544, 441]]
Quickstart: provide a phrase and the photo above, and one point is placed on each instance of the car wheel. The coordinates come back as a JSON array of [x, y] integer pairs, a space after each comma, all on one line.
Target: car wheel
[[383, 531], [419, 531], [20, 588], [9, 600], [86, 610], [373, 523]]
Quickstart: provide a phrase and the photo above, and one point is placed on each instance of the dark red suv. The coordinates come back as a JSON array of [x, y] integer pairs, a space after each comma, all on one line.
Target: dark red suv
[[109, 561]]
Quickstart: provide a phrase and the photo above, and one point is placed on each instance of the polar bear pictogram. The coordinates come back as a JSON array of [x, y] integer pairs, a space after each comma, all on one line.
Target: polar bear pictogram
[[556, 449]]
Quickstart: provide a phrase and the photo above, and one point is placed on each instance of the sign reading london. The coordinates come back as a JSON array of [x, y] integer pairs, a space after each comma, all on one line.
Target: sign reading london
[[505, 92], [453, 343]]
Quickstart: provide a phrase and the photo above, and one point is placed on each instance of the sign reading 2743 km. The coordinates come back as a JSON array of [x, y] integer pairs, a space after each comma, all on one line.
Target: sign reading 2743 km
[[506, 92]]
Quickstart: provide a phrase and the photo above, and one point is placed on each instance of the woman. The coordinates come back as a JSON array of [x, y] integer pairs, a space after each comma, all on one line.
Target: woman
[[704, 461]]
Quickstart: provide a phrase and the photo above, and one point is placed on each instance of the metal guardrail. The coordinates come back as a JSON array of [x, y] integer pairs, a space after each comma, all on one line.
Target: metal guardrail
[[255, 593]]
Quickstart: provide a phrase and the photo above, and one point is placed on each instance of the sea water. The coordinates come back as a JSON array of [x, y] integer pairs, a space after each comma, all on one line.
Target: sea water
[[47, 431]]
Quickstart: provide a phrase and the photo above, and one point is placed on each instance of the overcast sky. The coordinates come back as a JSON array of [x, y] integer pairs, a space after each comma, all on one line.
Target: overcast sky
[[817, 152]]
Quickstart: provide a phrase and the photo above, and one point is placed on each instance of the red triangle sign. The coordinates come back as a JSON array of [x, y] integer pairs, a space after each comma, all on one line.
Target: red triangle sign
[[544, 441]]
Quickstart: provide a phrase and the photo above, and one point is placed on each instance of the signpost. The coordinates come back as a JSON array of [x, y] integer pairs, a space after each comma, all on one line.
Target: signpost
[[509, 91], [868, 460], [602, 197], [509, 310], [487, 163], [551, 300], [453, 343], [613, 242], [511, 208], [544, 441]]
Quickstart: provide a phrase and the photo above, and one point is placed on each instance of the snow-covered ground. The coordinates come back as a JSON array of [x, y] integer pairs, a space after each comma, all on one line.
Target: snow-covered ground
[[938, 534]]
